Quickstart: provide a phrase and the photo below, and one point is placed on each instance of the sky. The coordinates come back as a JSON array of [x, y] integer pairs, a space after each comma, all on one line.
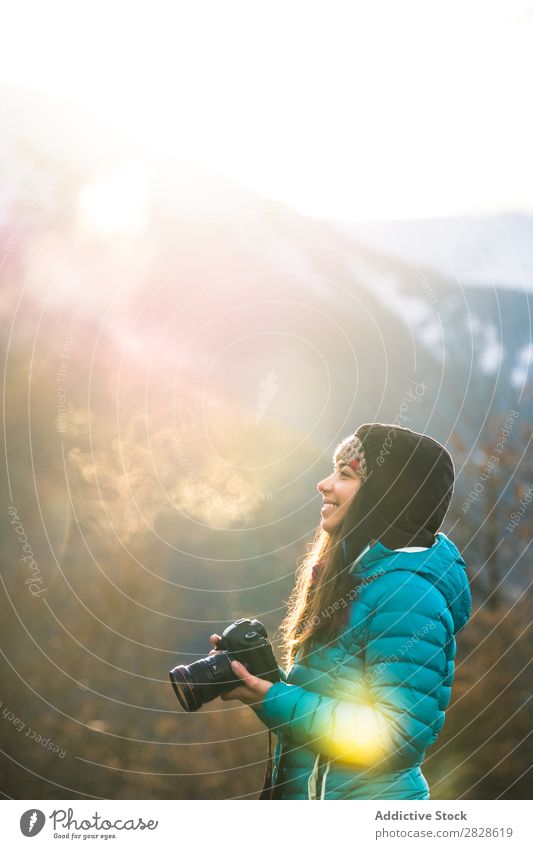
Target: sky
[[347, 110]]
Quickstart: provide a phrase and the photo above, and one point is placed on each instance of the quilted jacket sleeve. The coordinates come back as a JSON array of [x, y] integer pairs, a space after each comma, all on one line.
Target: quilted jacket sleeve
[[398, 705]]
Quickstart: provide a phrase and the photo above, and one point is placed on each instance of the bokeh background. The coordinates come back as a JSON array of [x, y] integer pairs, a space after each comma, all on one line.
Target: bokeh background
[[229, 236]]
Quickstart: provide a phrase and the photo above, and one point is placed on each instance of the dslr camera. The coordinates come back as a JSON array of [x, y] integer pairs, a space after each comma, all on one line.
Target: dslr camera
[[245, 640]]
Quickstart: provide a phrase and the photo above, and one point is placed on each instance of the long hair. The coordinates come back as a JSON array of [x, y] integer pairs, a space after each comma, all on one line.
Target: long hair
[[317, 607]]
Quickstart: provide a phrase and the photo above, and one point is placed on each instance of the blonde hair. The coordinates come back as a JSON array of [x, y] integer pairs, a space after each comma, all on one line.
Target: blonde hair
[[311, 613]]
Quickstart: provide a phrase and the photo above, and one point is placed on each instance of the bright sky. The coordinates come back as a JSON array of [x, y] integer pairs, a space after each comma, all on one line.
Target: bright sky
[[346, 110]]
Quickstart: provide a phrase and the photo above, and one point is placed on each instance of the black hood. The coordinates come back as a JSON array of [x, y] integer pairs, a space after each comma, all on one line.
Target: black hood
[[407, 492]]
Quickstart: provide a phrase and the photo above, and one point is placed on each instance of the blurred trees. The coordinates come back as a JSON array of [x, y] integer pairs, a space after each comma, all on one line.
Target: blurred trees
[[483, 751]]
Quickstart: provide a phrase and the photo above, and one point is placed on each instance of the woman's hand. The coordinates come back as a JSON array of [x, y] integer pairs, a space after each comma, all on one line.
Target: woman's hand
[[253, 689]]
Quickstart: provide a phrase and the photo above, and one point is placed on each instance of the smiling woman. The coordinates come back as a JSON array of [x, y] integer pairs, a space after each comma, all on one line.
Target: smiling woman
[[338, 490], [370, 631]]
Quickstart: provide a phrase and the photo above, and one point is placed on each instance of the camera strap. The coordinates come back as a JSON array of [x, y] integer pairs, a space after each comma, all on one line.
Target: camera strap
[[266, 792]]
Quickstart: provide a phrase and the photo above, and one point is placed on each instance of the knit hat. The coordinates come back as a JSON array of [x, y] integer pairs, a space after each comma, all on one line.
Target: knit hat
[[350, 451], [408, 481]]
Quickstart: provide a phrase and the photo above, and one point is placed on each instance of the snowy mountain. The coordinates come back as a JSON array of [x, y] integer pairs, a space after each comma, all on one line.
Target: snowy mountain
[[235, 293], [494, 251]]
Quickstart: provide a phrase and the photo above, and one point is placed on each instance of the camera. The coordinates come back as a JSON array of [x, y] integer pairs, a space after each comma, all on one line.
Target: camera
[[245, 640]]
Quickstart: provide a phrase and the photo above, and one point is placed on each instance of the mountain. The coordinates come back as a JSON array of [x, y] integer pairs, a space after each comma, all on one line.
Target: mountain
[[243, 304], [495, 251]]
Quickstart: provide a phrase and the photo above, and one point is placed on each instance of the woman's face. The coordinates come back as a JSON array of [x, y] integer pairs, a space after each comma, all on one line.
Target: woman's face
[[337, 492]]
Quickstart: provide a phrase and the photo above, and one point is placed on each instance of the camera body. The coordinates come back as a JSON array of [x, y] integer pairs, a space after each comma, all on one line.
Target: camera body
[[245, 640]]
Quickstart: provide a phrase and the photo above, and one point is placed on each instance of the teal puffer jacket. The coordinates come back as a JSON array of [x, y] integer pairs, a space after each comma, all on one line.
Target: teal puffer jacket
[[354, 721]]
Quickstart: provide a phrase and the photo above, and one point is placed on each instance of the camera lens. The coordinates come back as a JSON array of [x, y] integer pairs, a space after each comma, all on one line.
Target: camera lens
[[202, 681], [184, 688]]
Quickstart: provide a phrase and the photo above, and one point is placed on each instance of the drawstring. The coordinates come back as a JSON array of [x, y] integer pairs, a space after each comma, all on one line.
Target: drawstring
[[323, 790], [313, 780]]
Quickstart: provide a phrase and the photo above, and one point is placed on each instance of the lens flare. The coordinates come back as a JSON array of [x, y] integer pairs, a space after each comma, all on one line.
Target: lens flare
[[361, 735], [117, 203]]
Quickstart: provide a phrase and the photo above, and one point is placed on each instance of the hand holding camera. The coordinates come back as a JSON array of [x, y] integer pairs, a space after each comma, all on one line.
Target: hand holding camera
[[253, 689], [242, 667]]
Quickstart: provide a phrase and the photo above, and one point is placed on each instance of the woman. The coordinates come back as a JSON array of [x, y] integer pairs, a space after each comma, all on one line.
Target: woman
[[370, 630]]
